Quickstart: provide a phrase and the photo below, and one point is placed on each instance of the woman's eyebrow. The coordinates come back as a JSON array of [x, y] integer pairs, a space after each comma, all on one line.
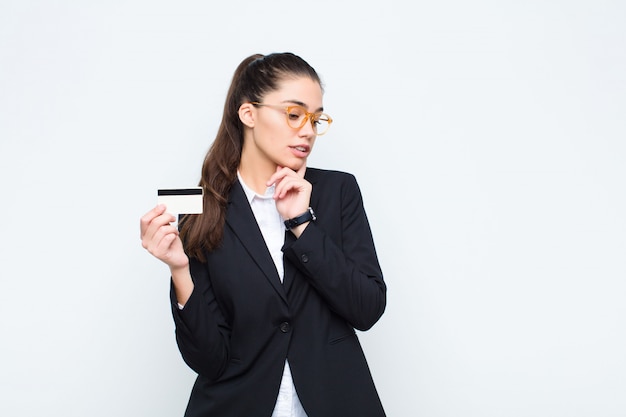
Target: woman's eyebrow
[[300, 103]]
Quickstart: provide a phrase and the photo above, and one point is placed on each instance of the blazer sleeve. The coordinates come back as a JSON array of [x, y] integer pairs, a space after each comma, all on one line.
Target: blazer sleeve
[[342, 265], [202, 333]]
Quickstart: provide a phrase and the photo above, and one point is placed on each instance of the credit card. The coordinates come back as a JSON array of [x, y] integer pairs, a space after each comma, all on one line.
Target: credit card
[[181, 200]]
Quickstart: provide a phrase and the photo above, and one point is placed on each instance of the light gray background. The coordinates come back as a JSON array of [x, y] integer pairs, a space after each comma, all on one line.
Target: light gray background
[[488, 138]]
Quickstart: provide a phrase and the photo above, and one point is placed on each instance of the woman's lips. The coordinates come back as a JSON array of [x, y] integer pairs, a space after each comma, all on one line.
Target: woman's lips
[[300, 151]]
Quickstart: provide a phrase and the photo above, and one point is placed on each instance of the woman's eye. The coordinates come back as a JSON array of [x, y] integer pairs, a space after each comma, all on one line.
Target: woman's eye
[[319, 119], [294, 116]]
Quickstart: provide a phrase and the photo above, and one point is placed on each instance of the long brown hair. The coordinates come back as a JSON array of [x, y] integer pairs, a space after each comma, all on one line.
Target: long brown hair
[[255, 77]]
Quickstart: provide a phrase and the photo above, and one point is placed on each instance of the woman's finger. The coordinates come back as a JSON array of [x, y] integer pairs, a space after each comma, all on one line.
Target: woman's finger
[[153, 220], [280, 174], [165, 245], [146, 219], [289, 184], [301, 171]]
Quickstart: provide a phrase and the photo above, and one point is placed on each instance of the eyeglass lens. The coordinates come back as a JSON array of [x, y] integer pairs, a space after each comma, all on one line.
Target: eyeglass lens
[[297, 117]]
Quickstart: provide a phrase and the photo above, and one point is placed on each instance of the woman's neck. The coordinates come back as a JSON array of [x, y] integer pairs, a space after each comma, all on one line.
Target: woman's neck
[[255, 175]]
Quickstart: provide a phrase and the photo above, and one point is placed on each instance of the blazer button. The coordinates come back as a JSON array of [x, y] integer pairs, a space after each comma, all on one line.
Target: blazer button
[[304, 258], [284, 327]]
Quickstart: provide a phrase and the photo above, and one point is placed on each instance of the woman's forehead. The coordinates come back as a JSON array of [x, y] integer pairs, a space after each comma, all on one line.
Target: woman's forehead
[[298, 90]]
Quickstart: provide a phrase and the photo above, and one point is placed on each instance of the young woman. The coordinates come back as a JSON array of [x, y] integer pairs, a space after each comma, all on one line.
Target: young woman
[[270, 282]]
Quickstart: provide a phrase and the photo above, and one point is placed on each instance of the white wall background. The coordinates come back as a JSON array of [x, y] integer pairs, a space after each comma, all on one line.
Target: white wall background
[[488, 138]]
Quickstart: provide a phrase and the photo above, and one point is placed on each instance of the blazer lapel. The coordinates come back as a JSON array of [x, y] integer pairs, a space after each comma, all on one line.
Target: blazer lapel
[[241, 220]]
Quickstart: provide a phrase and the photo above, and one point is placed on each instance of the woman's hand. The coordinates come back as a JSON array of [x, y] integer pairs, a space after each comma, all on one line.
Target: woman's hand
[[292, 193], [161, 239]]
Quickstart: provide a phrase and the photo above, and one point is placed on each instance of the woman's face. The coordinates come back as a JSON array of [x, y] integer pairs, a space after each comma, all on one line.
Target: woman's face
[[272, 139]]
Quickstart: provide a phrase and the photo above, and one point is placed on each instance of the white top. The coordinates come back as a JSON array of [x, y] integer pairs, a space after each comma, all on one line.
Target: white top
[[273, 230]]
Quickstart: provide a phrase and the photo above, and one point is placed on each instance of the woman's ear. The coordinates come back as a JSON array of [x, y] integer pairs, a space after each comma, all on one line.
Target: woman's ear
[[247, 114]]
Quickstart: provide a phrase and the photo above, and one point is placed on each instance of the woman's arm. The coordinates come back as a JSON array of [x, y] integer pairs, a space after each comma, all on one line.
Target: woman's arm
[[202, 333], [342, 263]]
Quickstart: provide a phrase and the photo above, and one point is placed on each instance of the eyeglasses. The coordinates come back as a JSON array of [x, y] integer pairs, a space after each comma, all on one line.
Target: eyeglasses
[[297, 116]]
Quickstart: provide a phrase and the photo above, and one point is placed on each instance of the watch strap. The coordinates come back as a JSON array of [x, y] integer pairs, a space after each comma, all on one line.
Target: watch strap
[[307, 216]]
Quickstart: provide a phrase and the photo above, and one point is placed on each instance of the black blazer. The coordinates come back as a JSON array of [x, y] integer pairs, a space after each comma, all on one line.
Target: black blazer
[[241, 322]]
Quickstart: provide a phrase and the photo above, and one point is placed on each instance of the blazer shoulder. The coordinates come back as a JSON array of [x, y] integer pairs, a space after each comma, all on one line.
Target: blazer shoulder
[[327, 175]]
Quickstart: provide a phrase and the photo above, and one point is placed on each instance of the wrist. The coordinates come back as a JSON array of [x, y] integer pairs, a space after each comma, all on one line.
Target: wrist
[[180, 272], [183, 284], [298, 230]]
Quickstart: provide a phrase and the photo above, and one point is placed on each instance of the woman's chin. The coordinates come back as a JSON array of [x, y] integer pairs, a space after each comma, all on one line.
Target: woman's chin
[[294, 165]]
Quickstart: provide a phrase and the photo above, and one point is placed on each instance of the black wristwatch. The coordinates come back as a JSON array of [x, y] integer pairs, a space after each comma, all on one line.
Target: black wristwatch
[[307, 216]]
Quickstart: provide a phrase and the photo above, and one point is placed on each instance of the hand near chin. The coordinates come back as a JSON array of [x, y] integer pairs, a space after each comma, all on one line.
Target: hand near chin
[[292, 193]]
